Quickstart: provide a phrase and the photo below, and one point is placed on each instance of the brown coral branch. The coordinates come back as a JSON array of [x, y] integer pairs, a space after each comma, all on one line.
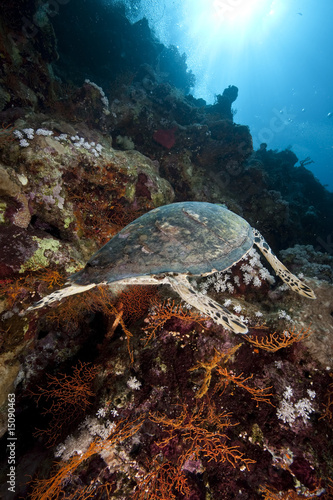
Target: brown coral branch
[[161, 312], [70, 395]]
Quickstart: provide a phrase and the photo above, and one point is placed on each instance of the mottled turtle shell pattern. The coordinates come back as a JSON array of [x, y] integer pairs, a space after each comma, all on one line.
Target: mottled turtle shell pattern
[[193, 238]]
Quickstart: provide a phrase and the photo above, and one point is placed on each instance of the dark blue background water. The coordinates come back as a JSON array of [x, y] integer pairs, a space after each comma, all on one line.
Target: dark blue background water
[[278, 53]]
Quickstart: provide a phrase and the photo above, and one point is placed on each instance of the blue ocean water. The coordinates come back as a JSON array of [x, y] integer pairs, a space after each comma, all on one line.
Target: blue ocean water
[[278, 54]]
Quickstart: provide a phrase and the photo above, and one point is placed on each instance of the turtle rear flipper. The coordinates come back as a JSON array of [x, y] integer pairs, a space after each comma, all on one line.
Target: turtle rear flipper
[[58, 295], [290, 279], [206, 305]]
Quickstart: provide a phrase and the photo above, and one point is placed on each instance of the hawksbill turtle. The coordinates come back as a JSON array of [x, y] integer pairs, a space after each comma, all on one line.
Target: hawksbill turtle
[[168, 245]]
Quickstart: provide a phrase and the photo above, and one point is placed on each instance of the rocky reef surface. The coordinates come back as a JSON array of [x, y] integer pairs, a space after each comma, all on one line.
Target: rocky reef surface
[[127, 393]]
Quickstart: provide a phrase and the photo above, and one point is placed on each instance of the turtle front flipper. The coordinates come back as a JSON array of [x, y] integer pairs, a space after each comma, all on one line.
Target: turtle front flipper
[[206, 305], [290, 279]]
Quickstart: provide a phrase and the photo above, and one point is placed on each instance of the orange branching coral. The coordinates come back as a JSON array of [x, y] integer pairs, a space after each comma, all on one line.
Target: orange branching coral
[[273, 494], [218, 359], [203, 434], [121, 215], [161, 312], [12, 290], [92, 220], [95, 491], [52, 277], [25, 287], [162, 481], [276, 341], [53, 487], [99, 213], [329, 489], [135, 302], [259, 395], [70, 396], [71, 310], [226, 377]]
